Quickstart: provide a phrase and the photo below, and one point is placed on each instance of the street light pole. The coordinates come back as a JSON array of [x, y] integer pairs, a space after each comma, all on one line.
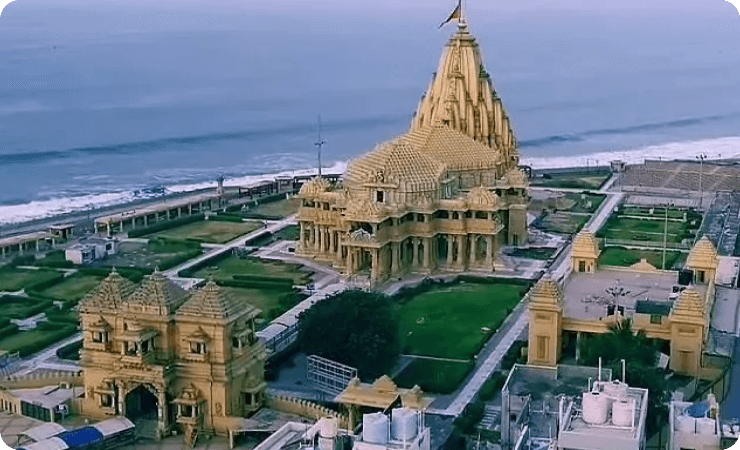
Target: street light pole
[[701, 157]]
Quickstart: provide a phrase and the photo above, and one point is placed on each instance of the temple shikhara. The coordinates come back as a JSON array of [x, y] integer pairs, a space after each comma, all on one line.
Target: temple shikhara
[[443, 196]]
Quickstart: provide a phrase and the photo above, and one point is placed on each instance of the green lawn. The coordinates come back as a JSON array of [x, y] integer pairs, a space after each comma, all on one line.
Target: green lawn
[[641, 230], [277, 209], [585, 203], [583, 180], [13, 279], [233, 265], [210, 231], [29, 342], [72, 288], [620, 256], [158, 252], [436, 377], [272, 302], [563, 222], [447, 322]]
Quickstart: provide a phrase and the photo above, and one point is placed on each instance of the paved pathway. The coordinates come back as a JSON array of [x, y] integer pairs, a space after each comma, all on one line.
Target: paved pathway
[[47, 359]]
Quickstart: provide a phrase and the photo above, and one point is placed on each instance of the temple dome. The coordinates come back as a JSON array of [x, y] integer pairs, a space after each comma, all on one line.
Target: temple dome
[[314, 187], [109, 294], [213, 302], [157, 295], [482, 198]]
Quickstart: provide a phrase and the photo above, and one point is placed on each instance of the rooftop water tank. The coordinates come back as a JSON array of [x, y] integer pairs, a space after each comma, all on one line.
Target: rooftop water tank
[[705, 426], [595, 408], [404, 424], [615, 389], [375, 428], [327, 433], [686, 424], [623, 410]]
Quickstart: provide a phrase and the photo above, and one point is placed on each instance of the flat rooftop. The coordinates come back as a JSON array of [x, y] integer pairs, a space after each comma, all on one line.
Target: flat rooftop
[[575, 427], [588, 295], [156, 206]]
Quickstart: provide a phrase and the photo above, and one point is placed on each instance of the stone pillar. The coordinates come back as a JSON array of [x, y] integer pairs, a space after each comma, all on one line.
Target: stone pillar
[[179, 212], [37, 245], [428, 253], [472, 248], [394, 257], [190, 209], [146, 221], [578, 347], [349, 261], [302, 236], [415, 262], [374, 267], [108, 226], [339, 246], [449, 249], [133, 223], [489, 250], [316, 237], [3, 250]]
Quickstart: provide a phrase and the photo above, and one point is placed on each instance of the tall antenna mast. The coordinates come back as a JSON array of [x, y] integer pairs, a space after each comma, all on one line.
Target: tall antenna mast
[[319, 143]]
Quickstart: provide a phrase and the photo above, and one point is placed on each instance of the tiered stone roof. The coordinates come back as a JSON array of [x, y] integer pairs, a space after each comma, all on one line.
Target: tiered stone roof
[[110, 294], [690, 303], [157, 295], [213, 302], [461, 95], [585, 245], [703, 255], [392, 162], [546, 290], [515, 178]]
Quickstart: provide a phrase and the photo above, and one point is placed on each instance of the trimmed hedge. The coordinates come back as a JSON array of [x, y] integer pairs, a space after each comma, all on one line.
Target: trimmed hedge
[[54, 335], [135, 275], [166, 225], [55, 259], [30, 306], [45, 285], [249, 277], [254, 284], [23, 260], [70, 351], [188, 273], [226, 218], [492, 386], [8, 330]]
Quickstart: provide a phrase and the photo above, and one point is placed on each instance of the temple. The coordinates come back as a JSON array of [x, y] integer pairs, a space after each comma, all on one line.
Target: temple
[[446, 195], [169, 358]]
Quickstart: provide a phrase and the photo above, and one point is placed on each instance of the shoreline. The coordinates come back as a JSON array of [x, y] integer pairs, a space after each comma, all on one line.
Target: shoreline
[[36, 215]]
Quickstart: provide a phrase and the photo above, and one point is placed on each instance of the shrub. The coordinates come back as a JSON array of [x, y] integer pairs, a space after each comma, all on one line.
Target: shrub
[[70, 351], [23, 260], [226, 218], [166, 225], [491, 387]]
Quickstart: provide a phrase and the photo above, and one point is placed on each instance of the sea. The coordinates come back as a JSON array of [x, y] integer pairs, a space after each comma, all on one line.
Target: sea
[[107, 101]]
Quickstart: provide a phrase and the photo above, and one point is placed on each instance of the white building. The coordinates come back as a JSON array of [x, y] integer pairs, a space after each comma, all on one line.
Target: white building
[[696, 426], [403, 429], [90, 250]]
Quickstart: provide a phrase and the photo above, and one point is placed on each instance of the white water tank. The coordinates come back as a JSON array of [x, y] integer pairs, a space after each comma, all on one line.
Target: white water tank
[[623, 411], [375, 428], [686, 424], [615, 389], [404, 424], [705, 426], [327, 433], [595, 408]]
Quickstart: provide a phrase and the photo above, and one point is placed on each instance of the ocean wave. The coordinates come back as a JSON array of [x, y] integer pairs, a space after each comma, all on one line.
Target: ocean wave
[[724, 148], [196, 140], [643, 128]]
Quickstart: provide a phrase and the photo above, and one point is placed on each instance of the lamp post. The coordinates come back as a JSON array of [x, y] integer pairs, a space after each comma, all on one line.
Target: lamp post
[[665, 232], [701, 157]]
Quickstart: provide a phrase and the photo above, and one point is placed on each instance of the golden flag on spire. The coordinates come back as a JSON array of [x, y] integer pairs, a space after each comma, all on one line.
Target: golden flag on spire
[[456, 14]]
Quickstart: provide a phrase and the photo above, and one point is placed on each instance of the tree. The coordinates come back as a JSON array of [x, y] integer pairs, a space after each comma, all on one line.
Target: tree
[[641, 355], [356, 328]]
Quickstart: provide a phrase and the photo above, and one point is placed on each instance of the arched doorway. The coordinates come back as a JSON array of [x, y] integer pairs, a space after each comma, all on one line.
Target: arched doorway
[[142, 403]]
